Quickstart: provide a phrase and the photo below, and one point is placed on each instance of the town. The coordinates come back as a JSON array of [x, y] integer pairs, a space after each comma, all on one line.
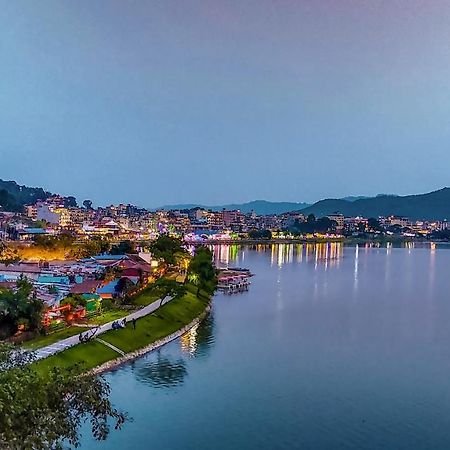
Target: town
[[61, 215], [80, 259]]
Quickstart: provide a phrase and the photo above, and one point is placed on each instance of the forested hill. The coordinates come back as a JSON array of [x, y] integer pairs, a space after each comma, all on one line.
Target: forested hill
[[13, 197], [261, 207], [432, 206]]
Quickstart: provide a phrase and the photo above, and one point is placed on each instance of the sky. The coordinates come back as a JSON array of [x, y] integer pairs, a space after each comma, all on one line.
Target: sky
[[155, 102]]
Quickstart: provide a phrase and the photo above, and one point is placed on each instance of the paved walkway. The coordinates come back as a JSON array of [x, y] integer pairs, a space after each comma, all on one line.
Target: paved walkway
[[112, 347], [57, 347]]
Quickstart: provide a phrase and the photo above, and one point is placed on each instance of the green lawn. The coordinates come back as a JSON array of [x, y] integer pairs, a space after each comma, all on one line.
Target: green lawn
[[42, 341], [148, 295], [161, 323], [166, 320], [109, 316], [87, 356]]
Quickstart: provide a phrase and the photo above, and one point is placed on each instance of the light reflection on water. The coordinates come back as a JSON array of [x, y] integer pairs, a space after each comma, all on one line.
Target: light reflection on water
[[331, 347], [162, 372]]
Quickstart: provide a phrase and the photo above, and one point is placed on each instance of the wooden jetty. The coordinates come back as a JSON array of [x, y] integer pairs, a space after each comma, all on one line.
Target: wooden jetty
[[232, 281]]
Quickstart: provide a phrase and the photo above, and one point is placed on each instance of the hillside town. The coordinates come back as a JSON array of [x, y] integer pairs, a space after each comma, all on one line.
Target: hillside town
[[57, 214], [97, 254]]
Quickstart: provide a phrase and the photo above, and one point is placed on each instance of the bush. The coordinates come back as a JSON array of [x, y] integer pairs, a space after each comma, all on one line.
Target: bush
[[107, 304]]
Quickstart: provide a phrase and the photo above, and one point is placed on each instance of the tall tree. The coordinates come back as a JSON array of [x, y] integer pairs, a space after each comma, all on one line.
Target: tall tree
[[201, 270]]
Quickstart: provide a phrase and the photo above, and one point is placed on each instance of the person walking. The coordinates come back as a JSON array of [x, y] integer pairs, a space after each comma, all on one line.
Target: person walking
[[134, 323]]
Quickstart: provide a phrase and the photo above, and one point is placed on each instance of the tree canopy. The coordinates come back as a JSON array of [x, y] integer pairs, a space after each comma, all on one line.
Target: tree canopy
[[45, 410], [202, 272], [313, 225], [19, 306], [165, 248]]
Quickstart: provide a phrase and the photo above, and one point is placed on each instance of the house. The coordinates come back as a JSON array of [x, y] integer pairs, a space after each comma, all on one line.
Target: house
[[29, 233], [109, 290], [86, 287]]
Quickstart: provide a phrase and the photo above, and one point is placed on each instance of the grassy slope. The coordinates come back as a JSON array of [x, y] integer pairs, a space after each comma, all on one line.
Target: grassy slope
[[148, 295], [166, 320], [109, 316]]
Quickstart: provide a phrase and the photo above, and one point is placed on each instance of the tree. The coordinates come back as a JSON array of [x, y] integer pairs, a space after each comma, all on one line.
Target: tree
[[122, 248], [170, 288], [42, 410], [202, 270], [123, 286], [19, 304], [165, 248], [260, 234], [74, 300], [70, 202], [91, 247], [374, 224], [8, 255], [311, 225], [87, 204]]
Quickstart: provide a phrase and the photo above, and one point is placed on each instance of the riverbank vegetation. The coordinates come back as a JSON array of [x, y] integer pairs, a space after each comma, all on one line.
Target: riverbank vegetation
[[189, 301], [169, 318], [64, 394]]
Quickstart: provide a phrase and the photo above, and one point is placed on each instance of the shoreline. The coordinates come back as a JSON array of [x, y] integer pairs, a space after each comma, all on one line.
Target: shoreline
[[342, 240], [169, 322], [128, 357]]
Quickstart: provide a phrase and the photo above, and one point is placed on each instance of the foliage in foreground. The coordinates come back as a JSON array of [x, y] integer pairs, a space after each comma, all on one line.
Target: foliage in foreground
[[45, 411]]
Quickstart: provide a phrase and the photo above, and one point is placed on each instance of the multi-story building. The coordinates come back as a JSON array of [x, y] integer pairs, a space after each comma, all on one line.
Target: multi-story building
[[339, 219], [215, 220], [397, 221]]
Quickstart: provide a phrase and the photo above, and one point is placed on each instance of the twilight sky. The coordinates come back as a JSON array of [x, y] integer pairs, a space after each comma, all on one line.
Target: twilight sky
[[213, 101]]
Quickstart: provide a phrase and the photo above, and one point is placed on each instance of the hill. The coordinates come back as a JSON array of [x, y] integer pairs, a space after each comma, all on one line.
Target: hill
[[431, 206], [261, 207], [13, 196]]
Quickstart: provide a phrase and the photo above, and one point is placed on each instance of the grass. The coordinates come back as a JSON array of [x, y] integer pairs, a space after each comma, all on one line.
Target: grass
[[109, 316], [144, 298], [148, 295], [163, 322], [42, 341], [86, 356]]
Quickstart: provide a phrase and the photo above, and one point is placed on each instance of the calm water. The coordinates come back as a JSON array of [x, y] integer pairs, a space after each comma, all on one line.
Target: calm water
[[332, 347]]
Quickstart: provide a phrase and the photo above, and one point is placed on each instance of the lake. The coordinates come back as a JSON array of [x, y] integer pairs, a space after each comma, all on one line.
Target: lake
[[332, 347]]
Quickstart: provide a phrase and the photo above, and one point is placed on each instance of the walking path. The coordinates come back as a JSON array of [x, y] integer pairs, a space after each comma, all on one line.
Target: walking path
[[57, 347], [112, 347]]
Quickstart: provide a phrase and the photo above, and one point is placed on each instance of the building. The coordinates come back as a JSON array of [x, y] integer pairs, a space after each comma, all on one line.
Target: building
[[339, 219]]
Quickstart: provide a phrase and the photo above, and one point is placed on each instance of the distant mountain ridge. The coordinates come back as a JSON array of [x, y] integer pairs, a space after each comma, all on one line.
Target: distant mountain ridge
[[260, 207], [431, 206]]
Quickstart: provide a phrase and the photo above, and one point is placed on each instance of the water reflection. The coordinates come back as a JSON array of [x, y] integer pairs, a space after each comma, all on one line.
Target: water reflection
[[199, 340], [362, 346], [163, 372], [328, 253]]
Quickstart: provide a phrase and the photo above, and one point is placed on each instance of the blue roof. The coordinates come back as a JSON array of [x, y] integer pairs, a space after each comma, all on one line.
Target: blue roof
[[50, 279], [34, 231], [109, 288]]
